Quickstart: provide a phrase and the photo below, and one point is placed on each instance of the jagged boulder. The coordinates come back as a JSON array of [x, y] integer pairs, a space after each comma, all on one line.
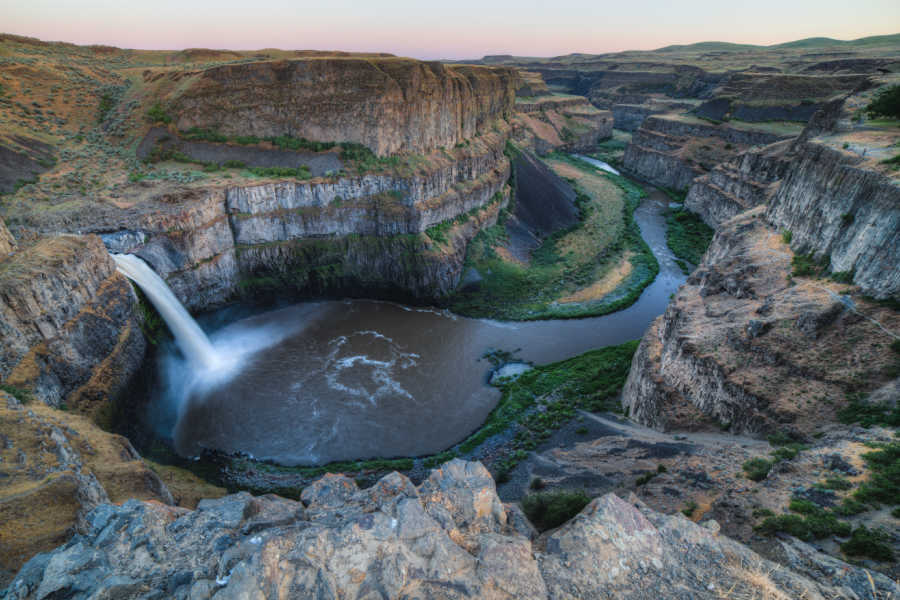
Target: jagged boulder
[[450, 538]]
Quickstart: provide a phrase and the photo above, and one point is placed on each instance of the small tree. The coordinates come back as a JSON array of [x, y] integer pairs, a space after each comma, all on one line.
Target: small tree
[[886, 103]]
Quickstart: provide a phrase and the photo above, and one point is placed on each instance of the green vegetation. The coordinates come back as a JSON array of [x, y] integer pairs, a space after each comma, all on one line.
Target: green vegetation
[[866, 414], [21, 394], [688, 237], [872, 543], [157, 114], [787, 236], [883, 485], [816, 522], [541, 400], [689, 509], [835, 483], [438, 233], [551, 509], [153, 325], [301, 172], [758, 469], [648, 477], [806, 265], [567, 260], [886, 103]]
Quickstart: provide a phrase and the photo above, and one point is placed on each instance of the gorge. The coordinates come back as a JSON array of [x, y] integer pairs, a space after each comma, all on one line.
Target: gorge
[[388, 312]]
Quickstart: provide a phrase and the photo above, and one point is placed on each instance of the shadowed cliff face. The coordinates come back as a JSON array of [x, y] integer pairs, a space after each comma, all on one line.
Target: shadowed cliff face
[[390, 105]]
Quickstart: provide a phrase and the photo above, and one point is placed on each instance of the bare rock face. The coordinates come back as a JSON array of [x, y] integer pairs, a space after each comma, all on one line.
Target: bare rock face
[[68, 324], [388, 104], [560, 123], [7, 241], [669, 151], [849, 215], [746, 347], [732, 187], [450, 538], [55, 467]]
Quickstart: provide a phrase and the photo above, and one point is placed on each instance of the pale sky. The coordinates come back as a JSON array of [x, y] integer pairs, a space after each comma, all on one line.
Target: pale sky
[[443, 28]]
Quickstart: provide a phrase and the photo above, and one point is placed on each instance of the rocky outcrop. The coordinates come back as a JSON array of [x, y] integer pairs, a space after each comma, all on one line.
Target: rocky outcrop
[[840, 213], [735, 346], [22, 160], [737, 185], [560, 123], [353, 234], [388, 104], [7, 241], [629, 117], [670, 151], [56, 467], [449, 538], [70, 332]]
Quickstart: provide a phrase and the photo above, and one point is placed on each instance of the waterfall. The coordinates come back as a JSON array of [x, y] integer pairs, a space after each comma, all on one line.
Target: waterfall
[[190, 338]]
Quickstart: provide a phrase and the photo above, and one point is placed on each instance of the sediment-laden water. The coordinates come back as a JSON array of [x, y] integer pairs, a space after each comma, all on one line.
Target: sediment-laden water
[[338, 380]]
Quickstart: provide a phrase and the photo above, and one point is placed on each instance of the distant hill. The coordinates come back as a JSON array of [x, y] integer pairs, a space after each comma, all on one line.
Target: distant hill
[[709, 47], [813, 42]]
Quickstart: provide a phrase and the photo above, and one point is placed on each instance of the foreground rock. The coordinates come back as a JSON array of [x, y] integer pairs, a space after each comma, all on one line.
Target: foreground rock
[[55, 467], [449, 538]]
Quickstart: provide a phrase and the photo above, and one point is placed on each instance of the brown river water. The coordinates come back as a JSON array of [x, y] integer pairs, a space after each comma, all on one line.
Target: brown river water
[[352, 379]]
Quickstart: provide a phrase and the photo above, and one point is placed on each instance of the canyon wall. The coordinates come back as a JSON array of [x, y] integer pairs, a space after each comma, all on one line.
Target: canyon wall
[[671, 151], [737, 185], [71, 334], [388, 104], [840, 212], [352, 234], [748, 336], [559, 123]]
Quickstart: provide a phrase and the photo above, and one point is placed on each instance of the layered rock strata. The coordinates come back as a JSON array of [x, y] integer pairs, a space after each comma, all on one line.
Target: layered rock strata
[[560, 123], [732, 187], [743, 341], [842, 214], [671, 151], [68, 323], [388, 104], [449, 538]]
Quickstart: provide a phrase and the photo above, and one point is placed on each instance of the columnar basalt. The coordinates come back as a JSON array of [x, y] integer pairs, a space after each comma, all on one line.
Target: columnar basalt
[[671, 151], [842, 214], [737, 185], [745, 372], [68, 323], [388, 104]]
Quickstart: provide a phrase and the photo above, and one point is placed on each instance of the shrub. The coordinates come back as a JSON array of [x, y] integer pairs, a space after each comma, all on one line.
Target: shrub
[[835, 483], [551, 509], [537, 484], [757, 468], [157, 114], [886, 103], [233, 164], [884, 483], [21, 394], [787, 236], [815, 523], [869, 542], [689, 508], [858, 411]]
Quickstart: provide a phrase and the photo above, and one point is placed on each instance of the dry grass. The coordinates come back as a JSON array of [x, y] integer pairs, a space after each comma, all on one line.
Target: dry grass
[[603, 286]]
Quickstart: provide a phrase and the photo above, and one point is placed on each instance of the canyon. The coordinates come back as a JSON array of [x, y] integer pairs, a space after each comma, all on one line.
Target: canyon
[[263, 179]]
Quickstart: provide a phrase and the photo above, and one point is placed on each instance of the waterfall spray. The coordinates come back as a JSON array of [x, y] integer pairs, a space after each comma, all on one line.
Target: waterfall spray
[[190, 338]]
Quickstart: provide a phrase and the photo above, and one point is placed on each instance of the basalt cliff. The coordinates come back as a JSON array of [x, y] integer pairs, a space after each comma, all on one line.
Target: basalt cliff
[[257, 177]]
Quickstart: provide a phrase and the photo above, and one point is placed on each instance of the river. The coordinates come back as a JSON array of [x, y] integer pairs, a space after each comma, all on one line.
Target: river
[[338, 380]]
